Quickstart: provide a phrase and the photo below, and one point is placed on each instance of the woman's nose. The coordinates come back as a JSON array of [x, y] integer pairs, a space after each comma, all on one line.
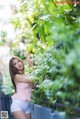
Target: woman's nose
[[19, 63]]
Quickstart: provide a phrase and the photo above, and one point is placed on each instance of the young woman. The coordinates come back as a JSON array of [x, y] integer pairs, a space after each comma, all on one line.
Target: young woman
[[20, 107]]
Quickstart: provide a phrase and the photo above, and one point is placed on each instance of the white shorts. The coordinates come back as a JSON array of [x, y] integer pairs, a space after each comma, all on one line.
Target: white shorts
[[18, 104]]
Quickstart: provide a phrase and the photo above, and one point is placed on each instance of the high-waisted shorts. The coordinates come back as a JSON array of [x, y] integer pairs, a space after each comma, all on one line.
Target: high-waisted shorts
[[18, 104]]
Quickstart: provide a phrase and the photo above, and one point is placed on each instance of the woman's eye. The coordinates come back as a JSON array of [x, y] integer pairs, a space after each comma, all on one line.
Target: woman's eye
[[14, 63], [18, 60]]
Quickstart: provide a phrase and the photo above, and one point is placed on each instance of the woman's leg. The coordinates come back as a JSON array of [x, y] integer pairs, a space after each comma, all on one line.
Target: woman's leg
[[28, 115], [19, 115]]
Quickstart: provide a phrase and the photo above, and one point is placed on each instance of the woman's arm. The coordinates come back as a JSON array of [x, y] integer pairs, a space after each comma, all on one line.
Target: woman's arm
[[23, 79], [29, 60]]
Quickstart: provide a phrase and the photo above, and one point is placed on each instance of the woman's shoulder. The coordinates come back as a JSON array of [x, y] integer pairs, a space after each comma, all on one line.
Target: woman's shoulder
[[18, 76]]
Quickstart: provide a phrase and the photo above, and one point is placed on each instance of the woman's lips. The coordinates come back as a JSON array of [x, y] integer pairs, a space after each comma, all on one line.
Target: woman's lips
[[20, 66]]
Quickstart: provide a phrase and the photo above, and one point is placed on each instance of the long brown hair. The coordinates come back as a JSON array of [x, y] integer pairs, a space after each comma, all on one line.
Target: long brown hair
[[13, 71]]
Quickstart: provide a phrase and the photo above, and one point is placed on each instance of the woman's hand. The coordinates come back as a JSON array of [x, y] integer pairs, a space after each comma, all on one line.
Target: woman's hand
[[29, 60], [33, 85], [31, 81]]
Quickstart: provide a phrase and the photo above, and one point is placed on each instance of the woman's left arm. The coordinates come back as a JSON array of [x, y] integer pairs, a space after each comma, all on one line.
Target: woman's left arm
[[29, 60]]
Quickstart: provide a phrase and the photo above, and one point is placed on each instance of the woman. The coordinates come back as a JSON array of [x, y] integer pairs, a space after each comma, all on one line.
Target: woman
[[20, 107]]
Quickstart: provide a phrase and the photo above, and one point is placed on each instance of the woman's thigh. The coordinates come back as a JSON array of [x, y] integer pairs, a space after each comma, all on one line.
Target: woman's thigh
[[18, 105], [19, 115], [28, 115]]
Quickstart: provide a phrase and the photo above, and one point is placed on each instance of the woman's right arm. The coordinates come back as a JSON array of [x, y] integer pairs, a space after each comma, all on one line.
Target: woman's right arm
[[22, 78]]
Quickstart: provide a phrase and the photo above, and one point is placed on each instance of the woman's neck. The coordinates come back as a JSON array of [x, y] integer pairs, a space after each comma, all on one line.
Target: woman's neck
[[21, 72]]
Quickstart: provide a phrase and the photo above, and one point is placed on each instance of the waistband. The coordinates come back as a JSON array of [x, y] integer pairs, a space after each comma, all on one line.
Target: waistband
[[20, 100]]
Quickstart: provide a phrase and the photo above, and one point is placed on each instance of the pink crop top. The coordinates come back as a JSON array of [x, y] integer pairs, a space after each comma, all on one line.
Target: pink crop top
[[23, 91]]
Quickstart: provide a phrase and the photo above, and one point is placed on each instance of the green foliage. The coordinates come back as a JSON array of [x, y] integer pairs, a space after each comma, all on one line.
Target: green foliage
[[20, 53], [37, 23], [3, 36], [57, 69], [7, 86]]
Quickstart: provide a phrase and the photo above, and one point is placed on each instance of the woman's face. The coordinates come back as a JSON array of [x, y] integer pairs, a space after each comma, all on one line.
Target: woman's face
[[18, 64]]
